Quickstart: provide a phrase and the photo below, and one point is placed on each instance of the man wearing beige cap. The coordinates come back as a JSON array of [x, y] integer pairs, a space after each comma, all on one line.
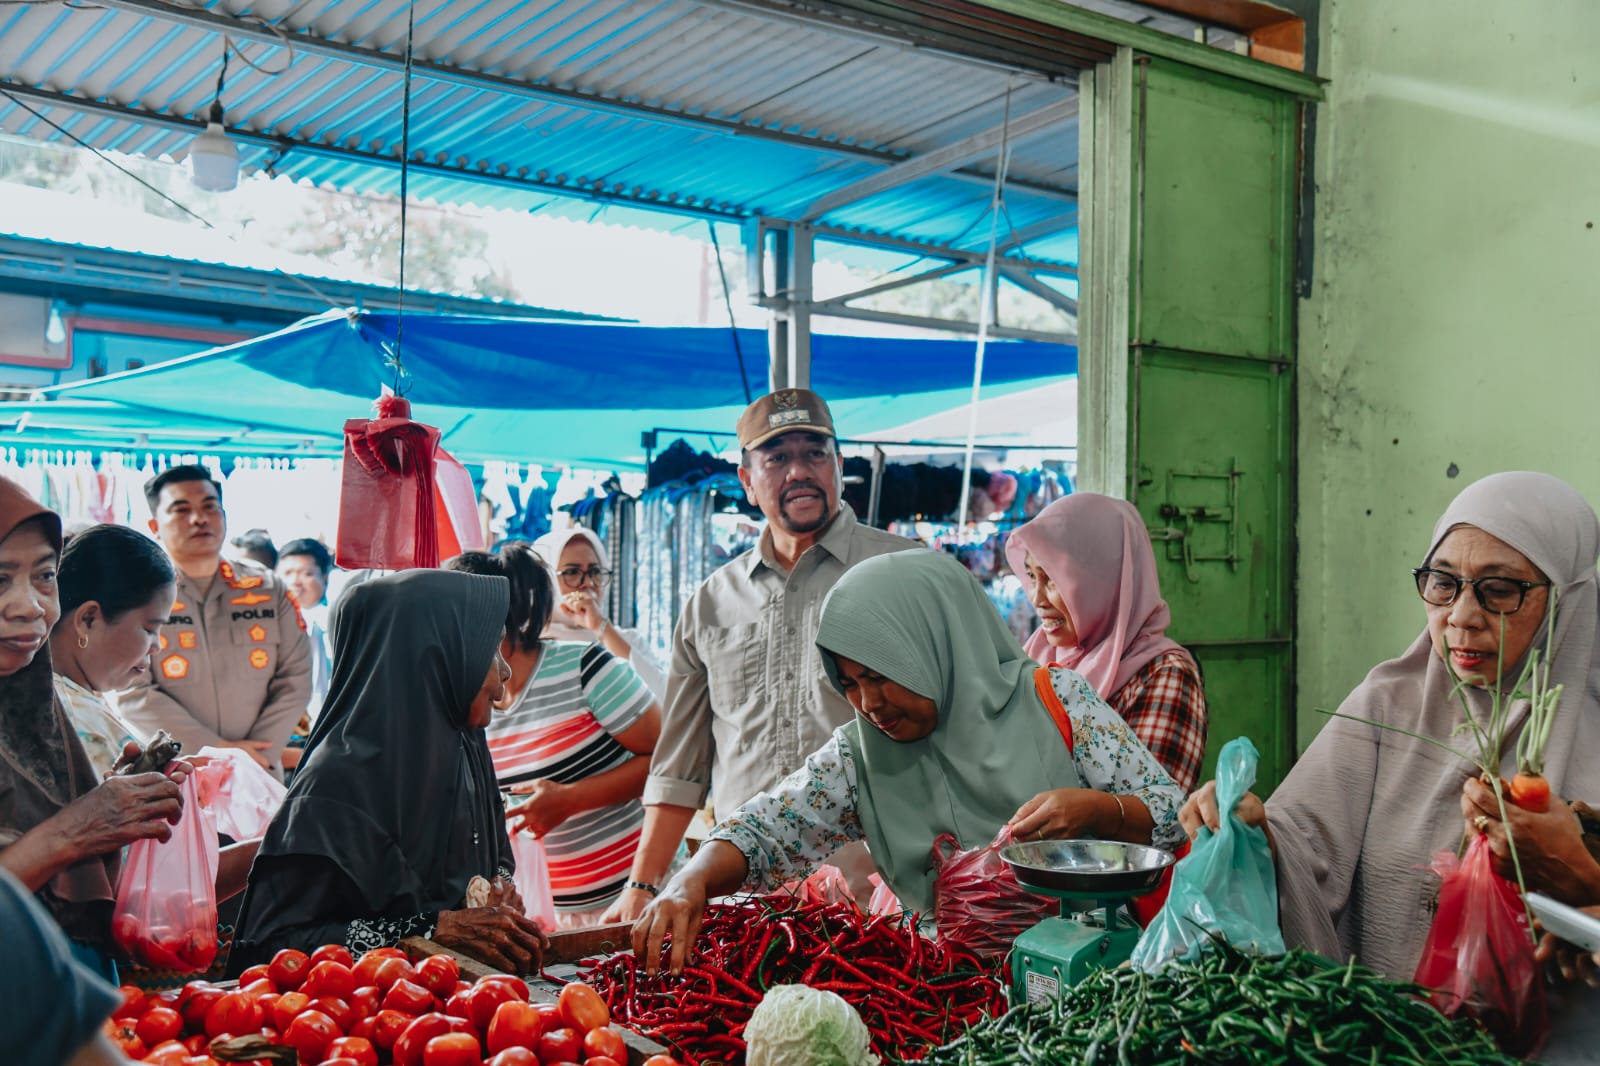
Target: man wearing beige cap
[[747, 700]]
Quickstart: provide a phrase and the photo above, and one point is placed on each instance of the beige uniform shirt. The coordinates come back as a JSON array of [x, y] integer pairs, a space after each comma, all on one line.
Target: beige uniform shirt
[[747, 700], [233, 664]]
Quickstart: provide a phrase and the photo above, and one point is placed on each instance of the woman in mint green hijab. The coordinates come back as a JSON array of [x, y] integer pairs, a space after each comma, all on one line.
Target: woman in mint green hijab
[[956, 732]]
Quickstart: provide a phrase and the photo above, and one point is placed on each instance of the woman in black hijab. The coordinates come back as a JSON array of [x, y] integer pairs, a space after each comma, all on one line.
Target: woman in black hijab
[[394, 809]]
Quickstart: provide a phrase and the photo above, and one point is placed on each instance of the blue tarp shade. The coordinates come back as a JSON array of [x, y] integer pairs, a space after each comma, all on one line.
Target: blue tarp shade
[[542, 390]]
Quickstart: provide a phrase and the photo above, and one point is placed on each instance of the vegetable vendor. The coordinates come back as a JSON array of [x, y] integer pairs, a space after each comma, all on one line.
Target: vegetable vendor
[[1091, 576], [394, 813], [1356, 821], [954, 733]]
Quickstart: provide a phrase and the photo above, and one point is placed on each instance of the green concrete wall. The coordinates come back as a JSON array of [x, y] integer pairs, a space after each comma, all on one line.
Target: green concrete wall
[[1452, 327]]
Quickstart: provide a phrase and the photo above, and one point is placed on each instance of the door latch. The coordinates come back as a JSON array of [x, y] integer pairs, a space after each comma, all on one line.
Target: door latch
[[1184, 518]]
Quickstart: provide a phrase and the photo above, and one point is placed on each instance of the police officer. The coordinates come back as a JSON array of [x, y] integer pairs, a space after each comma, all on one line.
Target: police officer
[[233, 668]]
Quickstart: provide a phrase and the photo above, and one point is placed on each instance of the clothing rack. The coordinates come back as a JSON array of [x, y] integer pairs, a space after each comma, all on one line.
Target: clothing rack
[[680, 542]]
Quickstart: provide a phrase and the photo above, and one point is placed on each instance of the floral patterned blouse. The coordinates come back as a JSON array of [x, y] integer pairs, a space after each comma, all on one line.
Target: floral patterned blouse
[[788, 832]]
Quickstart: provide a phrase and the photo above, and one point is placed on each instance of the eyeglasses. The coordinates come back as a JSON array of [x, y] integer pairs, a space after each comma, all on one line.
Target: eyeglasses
[[574, 576], [1497, 595]]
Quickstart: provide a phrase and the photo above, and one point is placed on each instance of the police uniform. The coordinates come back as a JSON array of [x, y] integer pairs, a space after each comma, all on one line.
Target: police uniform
[[232, 664]]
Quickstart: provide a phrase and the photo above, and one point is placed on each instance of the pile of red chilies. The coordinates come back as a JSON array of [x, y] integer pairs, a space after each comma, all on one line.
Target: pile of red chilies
[[913, 993]]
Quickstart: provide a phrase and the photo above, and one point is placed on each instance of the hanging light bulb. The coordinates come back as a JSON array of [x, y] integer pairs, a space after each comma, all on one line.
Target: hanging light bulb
[[213, 158], [55, 329]]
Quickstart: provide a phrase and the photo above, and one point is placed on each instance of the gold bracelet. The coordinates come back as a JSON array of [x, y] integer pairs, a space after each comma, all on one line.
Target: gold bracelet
[[1122, 812]]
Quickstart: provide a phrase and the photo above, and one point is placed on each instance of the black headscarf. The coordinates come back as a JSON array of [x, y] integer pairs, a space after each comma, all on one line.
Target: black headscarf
[[395, 788]]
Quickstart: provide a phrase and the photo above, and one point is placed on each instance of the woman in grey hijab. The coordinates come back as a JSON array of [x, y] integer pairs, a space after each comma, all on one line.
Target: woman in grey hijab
[[1357, 820]]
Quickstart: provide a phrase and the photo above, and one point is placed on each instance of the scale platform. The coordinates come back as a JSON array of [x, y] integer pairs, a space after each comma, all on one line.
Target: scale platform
[[1093, 879]]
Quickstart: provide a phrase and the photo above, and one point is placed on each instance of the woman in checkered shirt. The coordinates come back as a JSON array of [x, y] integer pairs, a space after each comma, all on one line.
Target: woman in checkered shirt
[[1091, 576]]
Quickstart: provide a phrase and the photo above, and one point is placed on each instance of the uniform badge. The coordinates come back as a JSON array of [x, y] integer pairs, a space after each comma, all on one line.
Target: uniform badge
[[259, 658], [258, 633], [785, 399], [188, 640], [162, 641], [174, 667], [226, 570], [250, 599]]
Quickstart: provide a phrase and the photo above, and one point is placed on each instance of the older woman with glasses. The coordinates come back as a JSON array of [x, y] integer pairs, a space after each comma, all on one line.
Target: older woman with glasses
[[582, 570], [1511, 567]]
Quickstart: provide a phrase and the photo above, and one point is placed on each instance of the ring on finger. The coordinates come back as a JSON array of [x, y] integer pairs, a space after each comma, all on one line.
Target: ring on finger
[[1481, 823]]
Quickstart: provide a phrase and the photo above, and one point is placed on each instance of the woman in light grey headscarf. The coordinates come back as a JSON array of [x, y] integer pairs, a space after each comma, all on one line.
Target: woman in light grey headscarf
[[1356, 822], [581, 567]]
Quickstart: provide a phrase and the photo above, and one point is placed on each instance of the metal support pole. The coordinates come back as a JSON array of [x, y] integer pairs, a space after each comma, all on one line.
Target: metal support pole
[[801, 249], [779, 301], [876, 493]]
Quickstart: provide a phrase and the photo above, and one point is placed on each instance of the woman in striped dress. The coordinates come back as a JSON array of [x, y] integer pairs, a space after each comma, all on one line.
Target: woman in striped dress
[[572, 742]]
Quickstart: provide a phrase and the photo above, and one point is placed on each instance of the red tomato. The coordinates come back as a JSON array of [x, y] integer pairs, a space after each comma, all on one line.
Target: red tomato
[[257, 989], [457, 1006], [660, 1060], [197, 1004], [343, 1015], [134, 1002], [366, 1001], [288, 969], [123, 1034], [199, 1043], [463, 986], [515, 1056], [254, 974], [310, 1034], [582, 1008], [329, 979], [265, 1001], [287, 1007], [173, 997], [409, 997], [514, 1025], [549, 1017], [605, 1043], [235, 1012], [601, 1060], [390, 971], [170, 1053], [387, 1025], [158, 1025], [342, 1060], [452, 1049], [485, 999], [367, 968], [516, 985], [560, 1045], [366, 1028], [359, 1051], [409, 1048], [333, 953], [200, 1060], [438, 974]]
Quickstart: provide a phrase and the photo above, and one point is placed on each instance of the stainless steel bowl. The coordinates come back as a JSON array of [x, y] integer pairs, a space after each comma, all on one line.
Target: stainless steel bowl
[[1087, 866]]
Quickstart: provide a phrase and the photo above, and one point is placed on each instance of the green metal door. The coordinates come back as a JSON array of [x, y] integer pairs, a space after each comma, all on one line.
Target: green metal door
[[1187, 342]]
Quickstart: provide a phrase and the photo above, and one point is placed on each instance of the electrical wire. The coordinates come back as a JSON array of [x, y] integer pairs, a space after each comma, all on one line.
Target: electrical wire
[[727, 301], [185, 208]]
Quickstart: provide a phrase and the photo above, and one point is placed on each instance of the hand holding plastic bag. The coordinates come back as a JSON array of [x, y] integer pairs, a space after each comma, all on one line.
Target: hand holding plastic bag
[[1226, 886], [239, 793], [1479, 955], [166, 910], [977, 902]]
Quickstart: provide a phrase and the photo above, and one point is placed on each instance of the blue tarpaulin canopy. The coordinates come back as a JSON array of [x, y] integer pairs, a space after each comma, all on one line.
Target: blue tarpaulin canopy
[[548, 391]]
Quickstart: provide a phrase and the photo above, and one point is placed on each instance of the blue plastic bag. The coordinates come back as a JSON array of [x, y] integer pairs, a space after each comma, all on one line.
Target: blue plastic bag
[[1225, 887]]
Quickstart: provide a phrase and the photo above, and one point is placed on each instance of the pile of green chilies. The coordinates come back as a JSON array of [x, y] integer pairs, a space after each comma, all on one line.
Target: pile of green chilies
[[1228, 1008]]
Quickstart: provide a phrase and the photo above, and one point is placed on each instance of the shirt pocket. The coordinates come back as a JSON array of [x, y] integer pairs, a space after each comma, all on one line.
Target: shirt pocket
[[732, 657], [253, 631]]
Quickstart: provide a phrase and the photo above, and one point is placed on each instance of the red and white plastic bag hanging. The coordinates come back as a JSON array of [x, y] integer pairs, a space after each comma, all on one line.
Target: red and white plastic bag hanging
[[404, 503], [532, 878], [1478, 959], [977, 902], [240, 795], [166, 909]]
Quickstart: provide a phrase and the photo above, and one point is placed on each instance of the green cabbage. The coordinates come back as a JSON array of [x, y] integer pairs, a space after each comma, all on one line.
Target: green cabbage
[[797, 1025]]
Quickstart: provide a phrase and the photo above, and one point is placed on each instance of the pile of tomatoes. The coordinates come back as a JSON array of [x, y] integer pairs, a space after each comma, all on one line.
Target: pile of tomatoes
[[384, 1009]]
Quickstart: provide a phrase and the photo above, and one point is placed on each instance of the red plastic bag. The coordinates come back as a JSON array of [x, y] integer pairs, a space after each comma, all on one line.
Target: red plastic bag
[[241, 796], [532, 878], [884, 900], [388, 509], [977, 902], [1479, 955], [826, 885], [166, 910]]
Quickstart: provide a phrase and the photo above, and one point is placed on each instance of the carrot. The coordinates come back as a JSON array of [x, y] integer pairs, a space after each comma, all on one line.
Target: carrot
[[1531, 792]]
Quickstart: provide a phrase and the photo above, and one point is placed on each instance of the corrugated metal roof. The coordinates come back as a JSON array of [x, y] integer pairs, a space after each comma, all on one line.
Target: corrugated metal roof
[[710, 107]]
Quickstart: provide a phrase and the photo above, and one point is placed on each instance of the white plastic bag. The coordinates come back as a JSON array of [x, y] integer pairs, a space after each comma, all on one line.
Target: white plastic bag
[[240, 795], [532, 879]]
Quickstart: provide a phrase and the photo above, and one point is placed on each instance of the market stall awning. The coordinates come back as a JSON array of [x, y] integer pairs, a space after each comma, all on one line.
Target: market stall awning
[[531, 390]]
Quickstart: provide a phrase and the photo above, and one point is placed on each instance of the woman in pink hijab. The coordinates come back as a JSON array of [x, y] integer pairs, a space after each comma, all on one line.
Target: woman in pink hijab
[[1091, 576]]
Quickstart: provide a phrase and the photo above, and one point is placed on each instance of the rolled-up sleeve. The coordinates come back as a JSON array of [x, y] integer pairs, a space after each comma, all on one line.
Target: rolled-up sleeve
[[680, 768]]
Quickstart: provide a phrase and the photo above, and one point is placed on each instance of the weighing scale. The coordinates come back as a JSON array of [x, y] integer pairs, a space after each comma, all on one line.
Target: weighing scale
[[1093, 879]]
